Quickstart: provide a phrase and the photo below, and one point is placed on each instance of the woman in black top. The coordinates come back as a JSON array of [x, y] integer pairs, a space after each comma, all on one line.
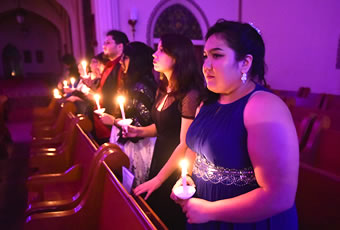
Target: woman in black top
[[177, 98], [138, 86]]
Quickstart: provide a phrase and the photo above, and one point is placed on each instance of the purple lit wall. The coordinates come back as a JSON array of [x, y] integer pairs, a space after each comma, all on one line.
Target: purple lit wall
[[43, 37], [228, 10], [301, 36], [302, 39]]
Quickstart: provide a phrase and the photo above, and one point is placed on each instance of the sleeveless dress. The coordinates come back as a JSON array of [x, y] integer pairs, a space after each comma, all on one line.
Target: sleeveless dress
[[168, 124], [223, 168]]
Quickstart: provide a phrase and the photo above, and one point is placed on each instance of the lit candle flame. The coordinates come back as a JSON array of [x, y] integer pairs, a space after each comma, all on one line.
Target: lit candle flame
[[121, 101], [72, 80], [65, 83], [13, 73], [96, 98]]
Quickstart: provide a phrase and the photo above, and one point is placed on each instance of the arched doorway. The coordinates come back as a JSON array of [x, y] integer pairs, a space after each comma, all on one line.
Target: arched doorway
[[38, 44], [11, 61]]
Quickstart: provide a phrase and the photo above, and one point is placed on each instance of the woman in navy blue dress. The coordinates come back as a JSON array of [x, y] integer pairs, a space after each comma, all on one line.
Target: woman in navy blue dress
[[243, 140]]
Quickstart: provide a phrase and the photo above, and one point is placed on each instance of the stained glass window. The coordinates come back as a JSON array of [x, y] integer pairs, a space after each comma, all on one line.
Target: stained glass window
[[178, 19]]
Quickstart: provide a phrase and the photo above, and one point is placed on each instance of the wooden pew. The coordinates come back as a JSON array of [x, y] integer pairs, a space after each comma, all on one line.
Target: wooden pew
[[128, 214], [3, 105], [313, 100], [6, 143], [302, 98], [106, 205], [59, 159], [332, 102], [47, 114], [59, 190], [55, 141], [51, 130], [49, 141], [301, 92], [149, 212], [324, 152], [322, 147], [318, 199], [304, 119], [334, 116]]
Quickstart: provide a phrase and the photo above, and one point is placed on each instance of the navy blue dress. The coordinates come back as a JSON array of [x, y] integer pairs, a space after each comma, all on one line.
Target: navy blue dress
[[223, 168]]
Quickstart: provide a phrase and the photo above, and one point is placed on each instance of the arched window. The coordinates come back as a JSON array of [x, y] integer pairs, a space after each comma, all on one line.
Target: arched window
[[178, 16], [178, 19]]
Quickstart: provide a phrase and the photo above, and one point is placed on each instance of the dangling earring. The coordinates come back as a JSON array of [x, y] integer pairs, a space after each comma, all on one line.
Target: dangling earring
[[244, 78]]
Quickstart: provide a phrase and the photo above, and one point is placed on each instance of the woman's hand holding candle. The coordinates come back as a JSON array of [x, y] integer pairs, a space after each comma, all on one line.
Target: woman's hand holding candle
[[181, 191], [178, 187]]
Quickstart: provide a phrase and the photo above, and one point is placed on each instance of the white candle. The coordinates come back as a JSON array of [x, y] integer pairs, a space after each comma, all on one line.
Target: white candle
[[65, 84], [133, 13], [73, 80], [121, 101], [84, 64], [184, 165], [96, 98]]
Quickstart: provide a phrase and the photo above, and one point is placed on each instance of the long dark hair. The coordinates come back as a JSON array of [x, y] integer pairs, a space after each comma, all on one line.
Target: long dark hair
[[186, 73], [243, 39], [140, 66]]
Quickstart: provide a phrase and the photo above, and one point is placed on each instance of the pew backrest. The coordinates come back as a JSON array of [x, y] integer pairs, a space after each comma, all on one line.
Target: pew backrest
[[120, 208], [317, 199], [84, 213], [106, 204]]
